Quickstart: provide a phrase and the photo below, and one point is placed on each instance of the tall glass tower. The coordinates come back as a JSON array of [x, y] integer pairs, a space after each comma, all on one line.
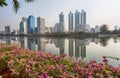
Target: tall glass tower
[[83, 17], [31, 24], [70, 20], [77, 19], [61, 17], [61, 22]]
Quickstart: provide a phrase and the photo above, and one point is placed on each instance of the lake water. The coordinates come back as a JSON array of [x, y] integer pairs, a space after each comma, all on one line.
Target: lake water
[[84, 49]]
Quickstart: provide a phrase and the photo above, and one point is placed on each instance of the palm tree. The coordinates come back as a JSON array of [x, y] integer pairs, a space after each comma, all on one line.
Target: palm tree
[[16, 4]]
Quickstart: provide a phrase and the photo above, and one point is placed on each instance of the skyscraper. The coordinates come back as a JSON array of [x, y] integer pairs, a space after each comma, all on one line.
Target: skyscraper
[[70, 20], [80, 20], [40, 25], [61, 17], [7, 30], [61, 22], [83, 18], [31, 24], [23, 26], [77, 19], [24, 19]]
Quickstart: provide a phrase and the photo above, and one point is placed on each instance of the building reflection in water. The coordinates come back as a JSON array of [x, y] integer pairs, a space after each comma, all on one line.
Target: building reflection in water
[[71, 47], [23, 42], [31, 43], [41, 42], [60, 43], [76, 47], [8, 40], [80, 48]]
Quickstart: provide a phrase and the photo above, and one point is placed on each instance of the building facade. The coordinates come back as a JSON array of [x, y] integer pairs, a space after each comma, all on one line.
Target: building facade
[[70, 21], [7, 30], [48, 29], [83, 18], [61, 22], [77, 19], [80, 20], [31, 24], [40, 25], [80, 28], [23, 27], [56, 28]]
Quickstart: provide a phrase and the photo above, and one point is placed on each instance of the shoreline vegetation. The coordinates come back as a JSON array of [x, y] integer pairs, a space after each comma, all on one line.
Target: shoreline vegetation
[[17, 62], [66, 35]]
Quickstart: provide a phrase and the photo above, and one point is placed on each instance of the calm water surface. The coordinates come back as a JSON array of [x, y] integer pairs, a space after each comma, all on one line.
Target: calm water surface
[[85, 49]]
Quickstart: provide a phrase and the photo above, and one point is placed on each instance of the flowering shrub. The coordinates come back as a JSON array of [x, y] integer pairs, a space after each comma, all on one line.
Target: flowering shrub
[[24, 63]]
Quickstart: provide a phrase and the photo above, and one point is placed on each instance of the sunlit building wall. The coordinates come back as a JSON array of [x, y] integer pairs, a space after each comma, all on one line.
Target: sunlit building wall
[[40, 25]]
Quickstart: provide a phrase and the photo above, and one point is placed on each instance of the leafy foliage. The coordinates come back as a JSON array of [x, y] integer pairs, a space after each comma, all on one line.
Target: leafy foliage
[[3, 3], [24, 63], [104, 28], [16, 4]]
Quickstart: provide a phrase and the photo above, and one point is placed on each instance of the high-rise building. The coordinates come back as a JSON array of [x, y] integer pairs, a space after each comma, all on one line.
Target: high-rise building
[[56, 28], [77, 18], [61, 17], [23, 27], [7, 30], [31, 24], [70, 20], [80, 20], [83, 18], [40, 25], [24, 19], [61, 22]]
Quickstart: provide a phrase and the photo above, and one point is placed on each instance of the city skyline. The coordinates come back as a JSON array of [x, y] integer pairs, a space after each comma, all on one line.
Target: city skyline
[[98, 12]]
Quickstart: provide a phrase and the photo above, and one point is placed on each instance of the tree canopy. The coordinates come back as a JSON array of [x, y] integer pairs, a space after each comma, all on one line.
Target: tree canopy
[[16, 4], [104, 28]]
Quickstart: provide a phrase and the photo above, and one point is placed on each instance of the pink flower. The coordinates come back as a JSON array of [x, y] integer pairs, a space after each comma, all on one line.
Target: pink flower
[[64, 75], [44, 75], [64, 55], [89, 77], [28, 65], [21, 61], [41, 76], [27, 70]]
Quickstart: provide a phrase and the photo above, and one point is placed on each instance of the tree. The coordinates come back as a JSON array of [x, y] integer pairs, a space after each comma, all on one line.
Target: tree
[[104, 28], [16, 4]]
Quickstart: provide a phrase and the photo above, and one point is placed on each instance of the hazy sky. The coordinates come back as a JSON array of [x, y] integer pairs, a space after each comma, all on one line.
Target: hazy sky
[[98, 12]]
